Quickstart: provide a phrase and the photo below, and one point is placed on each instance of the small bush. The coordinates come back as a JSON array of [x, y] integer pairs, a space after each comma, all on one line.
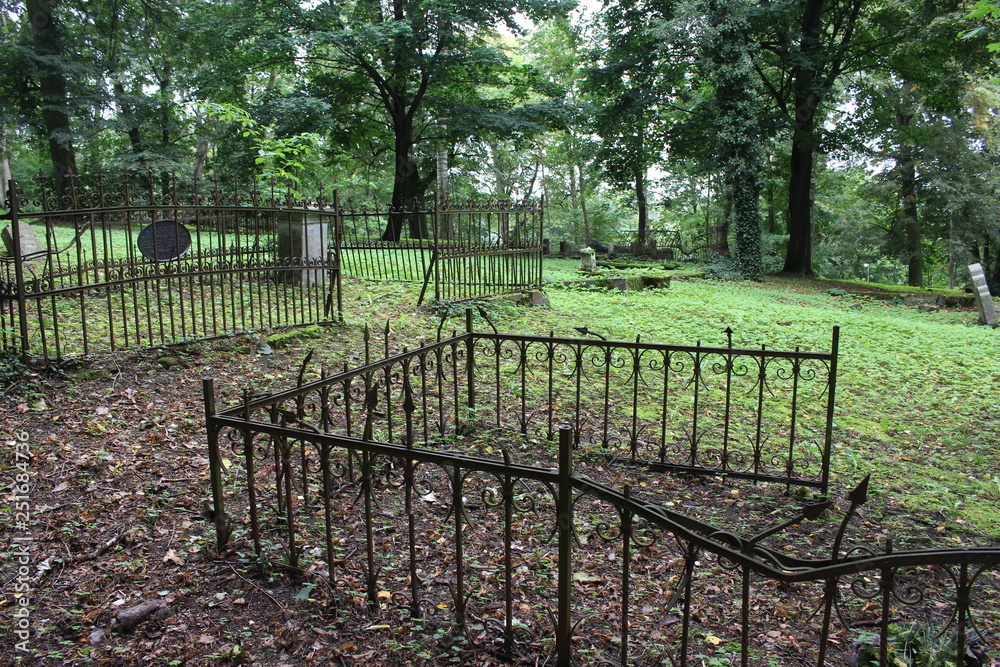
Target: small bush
[[918, 646], [13, 372], [723, 268]]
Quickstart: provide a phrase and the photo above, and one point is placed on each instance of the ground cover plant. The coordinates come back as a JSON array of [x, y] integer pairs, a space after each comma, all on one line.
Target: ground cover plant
[[118, 467]]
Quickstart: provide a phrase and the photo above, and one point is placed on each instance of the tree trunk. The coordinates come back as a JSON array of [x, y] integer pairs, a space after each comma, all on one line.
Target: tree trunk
[[52, 89], [443, 193], [127, 114], [808, 96], [908, 194], [772, 219], [404, 174], [583, 206], [798, 259], [640, 199], [4, 164], [201, 146], [718, 236]]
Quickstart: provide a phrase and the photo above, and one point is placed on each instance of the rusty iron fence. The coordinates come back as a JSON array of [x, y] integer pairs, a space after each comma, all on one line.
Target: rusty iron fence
[[658, 244], [465, 483], [106, 266], [464, 249]]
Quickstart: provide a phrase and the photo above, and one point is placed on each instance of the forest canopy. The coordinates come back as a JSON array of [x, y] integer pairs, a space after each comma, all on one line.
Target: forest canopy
[[839, 138]]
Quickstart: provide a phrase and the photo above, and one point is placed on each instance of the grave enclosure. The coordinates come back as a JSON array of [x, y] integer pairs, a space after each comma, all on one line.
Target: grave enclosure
[[124, 267], [463, 487]]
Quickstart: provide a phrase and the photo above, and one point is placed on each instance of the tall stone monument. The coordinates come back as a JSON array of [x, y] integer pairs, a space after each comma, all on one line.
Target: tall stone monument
[[987, 311]]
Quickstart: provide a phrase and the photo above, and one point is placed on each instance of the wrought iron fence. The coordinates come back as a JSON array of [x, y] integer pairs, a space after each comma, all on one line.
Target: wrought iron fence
[[117, 267], [439, 482], [105, 267], [465, 249], [658, 244]]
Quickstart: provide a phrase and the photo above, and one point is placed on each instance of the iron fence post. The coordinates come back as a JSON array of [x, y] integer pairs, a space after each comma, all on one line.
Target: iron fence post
[[564, 527], [215, 466], [15, 232], [470, 362], [338, 245], [831, 399]]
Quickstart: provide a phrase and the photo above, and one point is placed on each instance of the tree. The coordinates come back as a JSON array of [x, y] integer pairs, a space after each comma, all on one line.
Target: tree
[[50, 86], [737, 136], [633, 90], [409, 61], [804, 49], [917, 96]]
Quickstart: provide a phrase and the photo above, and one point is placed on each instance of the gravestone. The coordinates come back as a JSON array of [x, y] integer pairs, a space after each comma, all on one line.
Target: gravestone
[[588, 261], [987, 311], [564, 248], [30, 245], [545, 246], [164, 240], [302, 241]]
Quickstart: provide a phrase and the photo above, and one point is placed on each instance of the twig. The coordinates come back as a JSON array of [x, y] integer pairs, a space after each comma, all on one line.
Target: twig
[[258, 588], [100, 551]]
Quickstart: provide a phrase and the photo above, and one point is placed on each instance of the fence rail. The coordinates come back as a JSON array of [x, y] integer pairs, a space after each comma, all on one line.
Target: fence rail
[[454, 488]]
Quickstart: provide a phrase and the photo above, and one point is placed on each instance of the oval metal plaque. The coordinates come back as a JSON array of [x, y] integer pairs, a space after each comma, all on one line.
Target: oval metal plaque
[[164, 240]]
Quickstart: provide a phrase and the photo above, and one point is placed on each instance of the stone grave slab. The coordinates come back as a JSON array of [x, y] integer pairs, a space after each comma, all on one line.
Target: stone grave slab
[[984, 300]]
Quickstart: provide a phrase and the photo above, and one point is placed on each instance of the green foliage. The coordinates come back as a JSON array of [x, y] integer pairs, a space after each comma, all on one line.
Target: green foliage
[[279, 159], [723, 268], [13, 372], [917, 646], [738, 106]]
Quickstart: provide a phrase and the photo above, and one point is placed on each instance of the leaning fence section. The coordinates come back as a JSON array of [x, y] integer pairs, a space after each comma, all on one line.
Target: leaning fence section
[[765, 415], [463, 484], [457, 250]]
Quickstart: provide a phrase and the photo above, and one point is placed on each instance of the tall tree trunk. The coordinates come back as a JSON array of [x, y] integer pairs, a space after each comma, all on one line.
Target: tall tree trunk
[[201, 147], [404, 173], [583, 206], [4, 164], [906, 165], [718, 239], [443, 192], [798, 259], [640, 199], [772, 219], [132, 129], [166, 108], [807, 98], [52, 89]]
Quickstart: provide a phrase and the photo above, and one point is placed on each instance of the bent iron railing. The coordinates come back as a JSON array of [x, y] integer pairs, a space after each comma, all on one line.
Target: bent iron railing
[[399, 481]]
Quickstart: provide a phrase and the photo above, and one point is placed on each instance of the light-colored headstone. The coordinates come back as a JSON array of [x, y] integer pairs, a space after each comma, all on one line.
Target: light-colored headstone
[[302, 239], [536, 298], [987, 311], [30, 245], [588, 261]]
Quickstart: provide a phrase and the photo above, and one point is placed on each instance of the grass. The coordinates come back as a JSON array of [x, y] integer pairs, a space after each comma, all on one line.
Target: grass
[[915, 389]]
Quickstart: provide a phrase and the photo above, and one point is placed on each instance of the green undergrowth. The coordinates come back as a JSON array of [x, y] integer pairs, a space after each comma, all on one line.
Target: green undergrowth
[[901, 289], [915, 393]]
